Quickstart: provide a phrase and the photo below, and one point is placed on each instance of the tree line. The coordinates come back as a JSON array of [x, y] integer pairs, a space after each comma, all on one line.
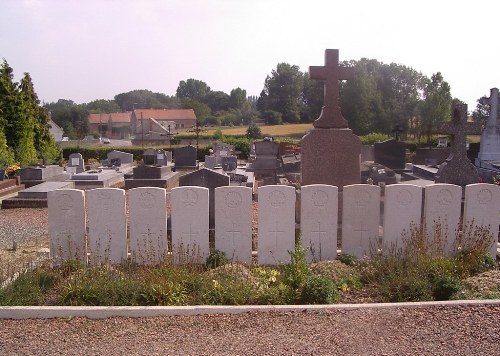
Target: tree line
[[24, 123]]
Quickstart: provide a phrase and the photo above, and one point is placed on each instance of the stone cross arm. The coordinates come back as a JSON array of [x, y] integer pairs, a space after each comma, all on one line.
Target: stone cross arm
[[331, 73]]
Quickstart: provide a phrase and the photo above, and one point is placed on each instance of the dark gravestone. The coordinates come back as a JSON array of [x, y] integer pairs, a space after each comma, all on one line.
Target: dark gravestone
[[229, 163], [151, 172], [390, 153], [330, 152], [154, 157], [208, 179], [457, 169], [185, 157]]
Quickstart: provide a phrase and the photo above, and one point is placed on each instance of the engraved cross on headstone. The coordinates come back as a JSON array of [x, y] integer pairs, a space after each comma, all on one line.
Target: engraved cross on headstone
[[331, 73], [276, 231]]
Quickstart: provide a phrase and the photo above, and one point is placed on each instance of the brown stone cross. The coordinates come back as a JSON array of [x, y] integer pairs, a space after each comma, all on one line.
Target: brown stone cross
[[331, 73]]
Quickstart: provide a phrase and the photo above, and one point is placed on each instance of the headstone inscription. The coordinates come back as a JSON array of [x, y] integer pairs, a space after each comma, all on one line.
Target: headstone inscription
[[481, 208], [360, 219], [276, 234], [442, 206], [402, 213], [457, 168], [189, 224], [107, 235], [148, 224], [233, 223], [67, 225], [330, 152], [318, 221]]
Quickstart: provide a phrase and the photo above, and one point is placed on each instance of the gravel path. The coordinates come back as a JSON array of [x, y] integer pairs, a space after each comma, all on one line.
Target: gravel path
[[22, 225], [436, 330]]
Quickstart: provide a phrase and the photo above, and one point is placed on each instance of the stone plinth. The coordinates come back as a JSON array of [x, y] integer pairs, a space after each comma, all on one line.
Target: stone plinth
[[330, 156], [151, 172]]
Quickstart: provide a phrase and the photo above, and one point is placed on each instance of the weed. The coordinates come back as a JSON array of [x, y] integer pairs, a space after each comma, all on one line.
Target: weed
[[216, 259], [319, 290]]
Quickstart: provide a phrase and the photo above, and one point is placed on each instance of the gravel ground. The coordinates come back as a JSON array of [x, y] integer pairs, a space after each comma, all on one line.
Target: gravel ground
[[450, 330], [22, 226]]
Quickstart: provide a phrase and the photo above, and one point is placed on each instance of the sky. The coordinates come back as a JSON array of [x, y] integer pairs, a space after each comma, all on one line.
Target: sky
[[95, 49]]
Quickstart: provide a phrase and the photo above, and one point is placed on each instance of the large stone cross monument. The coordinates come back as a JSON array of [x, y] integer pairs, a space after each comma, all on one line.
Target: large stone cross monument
[[330, 151], [457, 169]]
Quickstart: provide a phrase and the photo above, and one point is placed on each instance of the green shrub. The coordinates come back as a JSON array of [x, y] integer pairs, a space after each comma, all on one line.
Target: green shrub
[[319, 290], [372, 138], [445, 286], [215, 259], [296, 272]]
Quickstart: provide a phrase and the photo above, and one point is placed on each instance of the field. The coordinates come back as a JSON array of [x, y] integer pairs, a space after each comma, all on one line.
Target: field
[[293, 130]]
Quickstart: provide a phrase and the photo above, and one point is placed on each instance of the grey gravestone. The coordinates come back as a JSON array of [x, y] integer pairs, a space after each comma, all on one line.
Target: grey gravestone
[[185, 156], [490, 137], [222, 149], [124, 158], [457, 169], [266, 155], [210, 162], [75, 161], [40, 173], [229, 163], [209, 179], [168, 155], [390, 153], [330, 151]]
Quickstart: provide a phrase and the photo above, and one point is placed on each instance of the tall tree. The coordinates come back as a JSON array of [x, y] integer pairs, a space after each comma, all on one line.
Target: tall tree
[[361, 102], [238, 98], [44, 143], [217, 101], [143, 99], [283, 92], [313, 95], [103, 106], [193, 89], [71, 117], [436, 106]]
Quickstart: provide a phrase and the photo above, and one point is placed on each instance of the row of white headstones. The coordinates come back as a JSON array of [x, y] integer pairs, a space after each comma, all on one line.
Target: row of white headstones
[[92, 225]]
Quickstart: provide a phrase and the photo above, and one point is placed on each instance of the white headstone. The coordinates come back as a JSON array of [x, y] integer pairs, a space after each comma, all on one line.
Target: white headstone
[[148, 224], [318, 221], [276, 236], [107, 225], [442, 215], [482, 208], [402, 212], [233, 223], [67, 226], [360, 219], [189, 224]]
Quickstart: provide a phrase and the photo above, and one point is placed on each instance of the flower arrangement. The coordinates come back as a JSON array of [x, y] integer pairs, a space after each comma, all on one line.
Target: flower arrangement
[[496, 179], [13, 170]]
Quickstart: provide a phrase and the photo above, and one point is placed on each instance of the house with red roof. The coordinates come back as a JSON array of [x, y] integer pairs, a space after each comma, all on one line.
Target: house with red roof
[[113, 125], [183, 118], [157, 124]]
